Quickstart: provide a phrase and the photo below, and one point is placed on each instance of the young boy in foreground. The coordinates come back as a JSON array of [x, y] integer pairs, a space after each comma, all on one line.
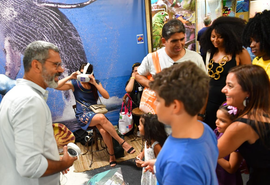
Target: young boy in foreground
[[189, 155]]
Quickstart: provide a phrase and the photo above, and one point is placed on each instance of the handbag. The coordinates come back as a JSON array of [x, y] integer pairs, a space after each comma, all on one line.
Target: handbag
[[125, 123], [84, 137], [96, 108], [99, 108], [148, 98]]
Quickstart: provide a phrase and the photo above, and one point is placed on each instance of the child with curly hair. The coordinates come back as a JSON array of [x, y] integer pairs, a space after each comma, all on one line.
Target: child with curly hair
[[154, 134]]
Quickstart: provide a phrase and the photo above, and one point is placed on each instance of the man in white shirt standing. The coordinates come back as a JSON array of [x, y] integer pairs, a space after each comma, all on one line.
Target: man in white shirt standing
[[173, 37], [29, 152]]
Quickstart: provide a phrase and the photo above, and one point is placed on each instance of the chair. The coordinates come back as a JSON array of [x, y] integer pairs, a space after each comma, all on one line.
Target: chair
[[97, 137]]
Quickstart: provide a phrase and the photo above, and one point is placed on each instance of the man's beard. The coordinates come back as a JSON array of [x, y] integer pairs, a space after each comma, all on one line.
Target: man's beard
[[48, 79]]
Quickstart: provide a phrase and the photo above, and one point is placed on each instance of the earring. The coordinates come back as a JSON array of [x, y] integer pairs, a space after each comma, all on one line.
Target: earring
[[245, 101]]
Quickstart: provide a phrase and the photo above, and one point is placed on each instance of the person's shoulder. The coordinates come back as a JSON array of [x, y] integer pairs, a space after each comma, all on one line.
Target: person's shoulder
[[256, 60], [73, 81], [192, 52], [25, 90], [208, 135], [22, 95], [146, 60], [239, 125], [208, 129], [192, 55], [202, 30]]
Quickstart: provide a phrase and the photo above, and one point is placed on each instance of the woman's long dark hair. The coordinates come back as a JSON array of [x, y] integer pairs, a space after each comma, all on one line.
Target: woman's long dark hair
[[258, 28], [254, 80], [231, 29], [153, 129], [89, 71]]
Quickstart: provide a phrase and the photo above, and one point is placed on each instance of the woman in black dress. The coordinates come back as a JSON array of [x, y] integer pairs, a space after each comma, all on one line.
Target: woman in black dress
[[223, 42]]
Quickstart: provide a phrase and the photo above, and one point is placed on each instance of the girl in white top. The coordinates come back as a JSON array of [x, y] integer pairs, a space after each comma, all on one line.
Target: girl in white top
[[153, 132]]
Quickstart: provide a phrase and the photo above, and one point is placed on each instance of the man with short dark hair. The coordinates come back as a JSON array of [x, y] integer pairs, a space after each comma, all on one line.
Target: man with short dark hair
[[29, 151], [173, 37]]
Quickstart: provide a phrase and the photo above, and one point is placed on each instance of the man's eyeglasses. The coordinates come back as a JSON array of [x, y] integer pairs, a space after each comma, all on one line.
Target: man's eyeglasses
[[57, 64]]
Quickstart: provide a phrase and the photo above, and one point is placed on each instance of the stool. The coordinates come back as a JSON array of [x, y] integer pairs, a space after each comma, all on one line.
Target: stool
[[97, 137], [137, 112]]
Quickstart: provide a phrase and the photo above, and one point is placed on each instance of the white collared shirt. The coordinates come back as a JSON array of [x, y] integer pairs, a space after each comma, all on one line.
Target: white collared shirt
[[26, 136]]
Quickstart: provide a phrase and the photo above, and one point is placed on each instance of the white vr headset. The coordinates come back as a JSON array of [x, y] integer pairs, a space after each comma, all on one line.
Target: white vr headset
[[84, 77]]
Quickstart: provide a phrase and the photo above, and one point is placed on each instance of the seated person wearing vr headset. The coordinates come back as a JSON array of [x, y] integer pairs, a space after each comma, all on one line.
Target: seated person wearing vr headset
[[85, 89]]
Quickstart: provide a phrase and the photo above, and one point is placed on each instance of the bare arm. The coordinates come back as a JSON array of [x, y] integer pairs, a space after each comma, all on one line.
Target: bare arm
[[233, 164], [234, 136], [64, 85], [59, 166], [99, 87], [157, 149], [131, 82], [142, 80], [244, 57]]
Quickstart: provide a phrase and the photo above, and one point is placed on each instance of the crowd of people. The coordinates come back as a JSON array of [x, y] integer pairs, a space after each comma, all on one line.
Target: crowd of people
[[218, 111], [234, 103]]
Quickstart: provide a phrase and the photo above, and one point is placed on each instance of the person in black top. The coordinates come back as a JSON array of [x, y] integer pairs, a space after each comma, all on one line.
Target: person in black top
[[248, 88], [222, 41], [134, 89]]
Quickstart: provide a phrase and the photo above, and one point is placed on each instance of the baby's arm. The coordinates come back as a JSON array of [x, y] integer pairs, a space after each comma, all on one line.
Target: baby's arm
[[157, 149], [233, 164]]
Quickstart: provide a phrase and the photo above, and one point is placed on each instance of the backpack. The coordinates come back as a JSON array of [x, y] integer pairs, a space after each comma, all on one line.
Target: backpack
[[84, 137]]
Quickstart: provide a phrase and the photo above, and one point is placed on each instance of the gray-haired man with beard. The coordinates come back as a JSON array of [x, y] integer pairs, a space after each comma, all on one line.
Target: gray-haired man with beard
[[29, 152]]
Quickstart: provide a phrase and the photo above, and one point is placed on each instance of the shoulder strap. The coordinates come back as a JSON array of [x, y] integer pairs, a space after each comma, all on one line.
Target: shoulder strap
[[156, 62], [153, 145], [81, 103], [100, 100]]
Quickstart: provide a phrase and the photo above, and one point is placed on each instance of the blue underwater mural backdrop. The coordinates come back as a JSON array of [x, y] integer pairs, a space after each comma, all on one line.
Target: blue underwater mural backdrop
[[101, 32]]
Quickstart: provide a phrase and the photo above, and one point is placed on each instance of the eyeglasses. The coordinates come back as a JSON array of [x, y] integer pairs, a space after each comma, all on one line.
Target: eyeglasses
[[57, 64]]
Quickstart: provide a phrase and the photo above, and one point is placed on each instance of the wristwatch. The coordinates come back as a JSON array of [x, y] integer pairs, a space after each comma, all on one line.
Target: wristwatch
[[201, 115]]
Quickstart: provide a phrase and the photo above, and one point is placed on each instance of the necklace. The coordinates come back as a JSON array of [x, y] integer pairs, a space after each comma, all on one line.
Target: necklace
[[219, 69]]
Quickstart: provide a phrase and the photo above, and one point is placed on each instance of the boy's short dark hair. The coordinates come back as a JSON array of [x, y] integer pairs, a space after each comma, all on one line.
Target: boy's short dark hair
[[184, 82], [172, 27]]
